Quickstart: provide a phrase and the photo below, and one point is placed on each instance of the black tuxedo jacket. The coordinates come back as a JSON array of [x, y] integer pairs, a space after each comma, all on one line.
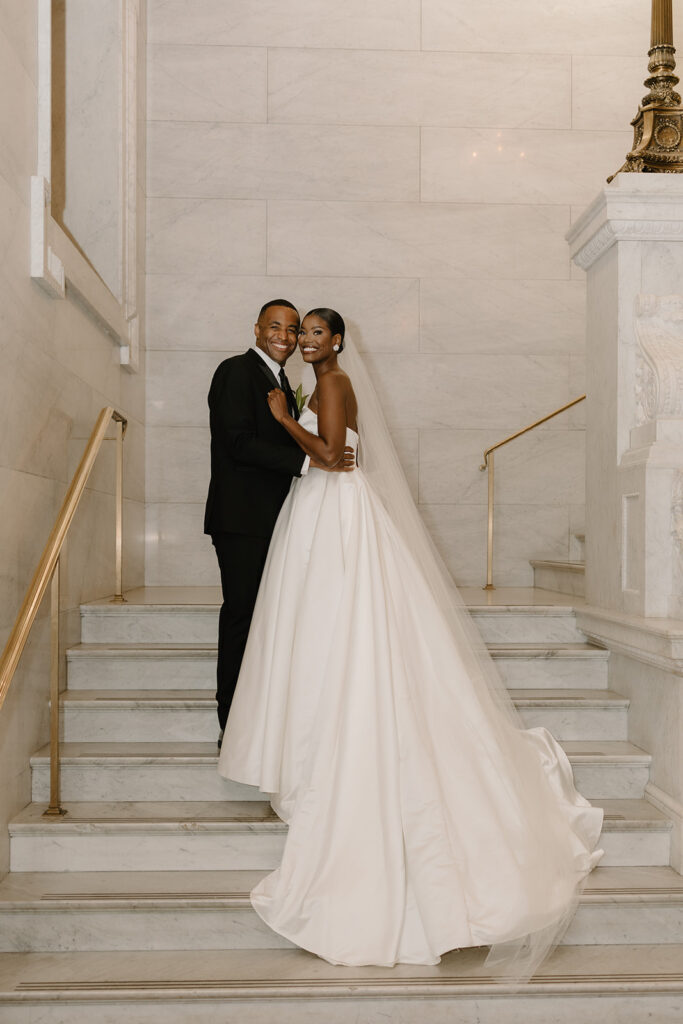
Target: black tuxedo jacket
[[253, 458]]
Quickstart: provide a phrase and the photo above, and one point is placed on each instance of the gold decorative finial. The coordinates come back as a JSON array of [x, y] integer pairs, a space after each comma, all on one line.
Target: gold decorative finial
[[658, 125]]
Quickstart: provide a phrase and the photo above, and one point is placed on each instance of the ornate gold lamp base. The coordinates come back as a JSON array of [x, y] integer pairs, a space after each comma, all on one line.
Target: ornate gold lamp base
[[658, 132], [658, 125]]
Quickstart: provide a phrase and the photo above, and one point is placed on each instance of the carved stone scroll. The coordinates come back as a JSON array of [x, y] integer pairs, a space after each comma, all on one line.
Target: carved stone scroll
[[659, 369]]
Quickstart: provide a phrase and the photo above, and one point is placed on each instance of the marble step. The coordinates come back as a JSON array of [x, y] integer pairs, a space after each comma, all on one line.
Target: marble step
[[174, 623], [549, 620], [560, 577], [629, 984], [239, 835], [537, 623], [119, 910], [193, 666], [581, 665], [189, 715], [187, 771], [137, 666]]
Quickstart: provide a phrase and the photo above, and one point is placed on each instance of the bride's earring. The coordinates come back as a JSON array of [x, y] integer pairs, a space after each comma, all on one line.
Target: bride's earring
[[335, 348]]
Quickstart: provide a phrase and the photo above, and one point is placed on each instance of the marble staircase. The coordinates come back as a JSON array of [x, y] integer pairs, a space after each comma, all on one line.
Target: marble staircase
[[133, 908], [562, 577]]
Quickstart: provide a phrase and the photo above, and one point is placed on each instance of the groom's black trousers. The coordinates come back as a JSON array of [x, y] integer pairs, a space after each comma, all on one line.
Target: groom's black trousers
[[241, 559]]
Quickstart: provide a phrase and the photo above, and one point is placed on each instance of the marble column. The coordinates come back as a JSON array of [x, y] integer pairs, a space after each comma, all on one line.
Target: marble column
[[630, 242]]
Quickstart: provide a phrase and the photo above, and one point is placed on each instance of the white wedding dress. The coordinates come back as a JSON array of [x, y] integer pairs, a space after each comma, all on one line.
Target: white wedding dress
[[420, 819]]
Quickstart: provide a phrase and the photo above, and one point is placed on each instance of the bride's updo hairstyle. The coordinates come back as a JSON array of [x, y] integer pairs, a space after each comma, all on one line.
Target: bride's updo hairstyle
[[334, 321]]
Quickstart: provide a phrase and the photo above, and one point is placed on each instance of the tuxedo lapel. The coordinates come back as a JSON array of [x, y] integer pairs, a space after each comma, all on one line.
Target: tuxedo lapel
[[262, 368], [275, 383]]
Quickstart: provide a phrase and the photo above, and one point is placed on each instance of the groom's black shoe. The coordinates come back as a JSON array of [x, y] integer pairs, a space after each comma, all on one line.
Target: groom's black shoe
[[220, 739]]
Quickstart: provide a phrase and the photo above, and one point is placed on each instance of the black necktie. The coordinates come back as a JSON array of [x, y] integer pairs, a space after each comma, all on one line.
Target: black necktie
[[291, 401]]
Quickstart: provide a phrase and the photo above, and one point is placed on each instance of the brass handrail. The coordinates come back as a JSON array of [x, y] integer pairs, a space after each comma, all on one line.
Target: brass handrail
[[488, 463], [47, 574]]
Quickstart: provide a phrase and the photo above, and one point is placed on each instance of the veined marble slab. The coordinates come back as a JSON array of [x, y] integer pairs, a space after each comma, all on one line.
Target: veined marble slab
[[534, 625], [115, 666], [188, 666], [213, 836], [569, 577], [127, 715], [618, 983], [187, 771], [551, 665], [142, 620], [51, 911]]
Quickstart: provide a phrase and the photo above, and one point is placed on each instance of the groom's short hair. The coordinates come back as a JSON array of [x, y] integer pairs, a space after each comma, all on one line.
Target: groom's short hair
[[277, 302]]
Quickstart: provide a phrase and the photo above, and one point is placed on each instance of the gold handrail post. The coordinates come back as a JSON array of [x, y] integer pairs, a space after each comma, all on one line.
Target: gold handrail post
[[55, 809], [489, 464], [118, 595], [489, 534]]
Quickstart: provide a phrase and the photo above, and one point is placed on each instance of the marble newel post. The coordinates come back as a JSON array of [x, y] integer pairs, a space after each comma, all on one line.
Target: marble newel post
[[630, 242]]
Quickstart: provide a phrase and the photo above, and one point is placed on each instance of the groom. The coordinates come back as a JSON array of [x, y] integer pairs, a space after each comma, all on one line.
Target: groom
[[253, 460]]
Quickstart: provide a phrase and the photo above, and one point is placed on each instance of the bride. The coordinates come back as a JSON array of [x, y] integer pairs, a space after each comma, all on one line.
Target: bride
[[422, 817]]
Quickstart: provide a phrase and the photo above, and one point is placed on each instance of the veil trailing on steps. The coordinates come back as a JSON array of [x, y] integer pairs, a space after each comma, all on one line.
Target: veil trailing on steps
[[558, 827]]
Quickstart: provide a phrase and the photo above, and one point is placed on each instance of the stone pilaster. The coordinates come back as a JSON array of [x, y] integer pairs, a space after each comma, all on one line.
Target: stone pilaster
[[630, 242]]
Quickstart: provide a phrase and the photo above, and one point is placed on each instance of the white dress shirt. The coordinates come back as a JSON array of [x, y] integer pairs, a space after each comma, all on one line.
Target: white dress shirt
[[275, 370]]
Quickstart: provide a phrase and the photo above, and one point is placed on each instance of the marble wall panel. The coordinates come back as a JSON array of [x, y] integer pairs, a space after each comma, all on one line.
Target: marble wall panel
[[218, 312], [207, 83], [178, 383], [18, 100], [383, 24], [18, 24], [606, 92], [418, 88], [27, 509], [178, 554], [418, 240], [35, 426], [612, 27], [522, 532], [486, 315], [178, 464], [517, 166], [283, 161], [200, 236], [545, 467], [468, 391]]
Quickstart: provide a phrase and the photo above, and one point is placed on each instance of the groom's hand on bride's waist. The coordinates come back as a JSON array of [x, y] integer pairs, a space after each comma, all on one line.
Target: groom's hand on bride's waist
[[345, 464]]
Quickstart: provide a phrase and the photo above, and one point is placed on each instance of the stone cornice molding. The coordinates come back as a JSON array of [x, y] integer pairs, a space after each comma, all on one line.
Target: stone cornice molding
[[631, 209]]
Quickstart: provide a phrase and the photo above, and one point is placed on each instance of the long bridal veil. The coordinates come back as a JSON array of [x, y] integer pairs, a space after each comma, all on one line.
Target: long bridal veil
[[542, 816]]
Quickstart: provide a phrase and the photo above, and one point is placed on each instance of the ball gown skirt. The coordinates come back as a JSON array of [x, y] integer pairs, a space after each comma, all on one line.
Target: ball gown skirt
[[420, 819]]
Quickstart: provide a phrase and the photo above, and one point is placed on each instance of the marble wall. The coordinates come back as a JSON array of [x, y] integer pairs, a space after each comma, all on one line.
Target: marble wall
[[416, 164], [59, 368]]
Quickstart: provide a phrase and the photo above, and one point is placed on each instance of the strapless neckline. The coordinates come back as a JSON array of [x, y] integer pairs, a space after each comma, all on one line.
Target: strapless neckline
[[307, 409]]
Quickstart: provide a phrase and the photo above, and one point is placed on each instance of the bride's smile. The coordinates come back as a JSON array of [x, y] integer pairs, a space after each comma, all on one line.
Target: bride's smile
[[316, 341]]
